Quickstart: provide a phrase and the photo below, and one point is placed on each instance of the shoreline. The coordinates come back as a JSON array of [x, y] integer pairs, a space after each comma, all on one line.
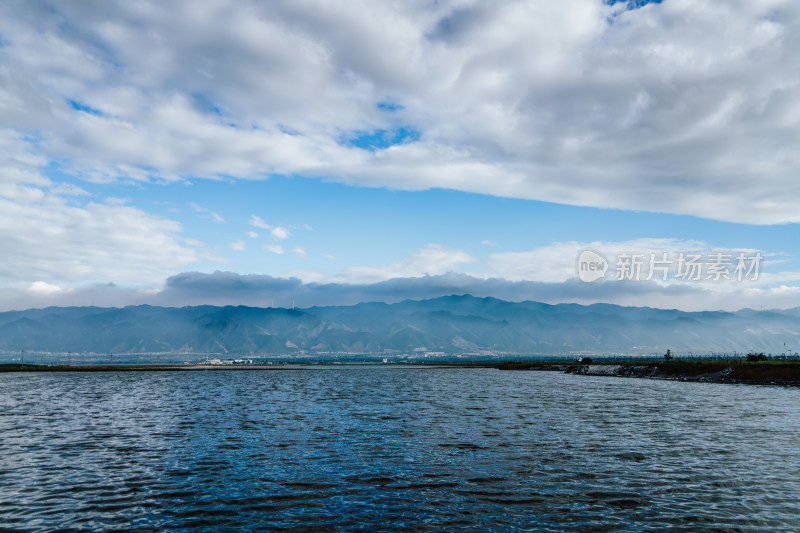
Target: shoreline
[[781, 373]]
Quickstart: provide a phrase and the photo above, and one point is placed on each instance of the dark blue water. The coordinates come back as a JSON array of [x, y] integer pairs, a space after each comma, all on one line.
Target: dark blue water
[[387, 448]]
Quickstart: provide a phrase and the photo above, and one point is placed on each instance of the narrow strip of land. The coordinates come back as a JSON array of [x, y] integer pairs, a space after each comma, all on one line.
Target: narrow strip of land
[[782, 372], [717, 371]]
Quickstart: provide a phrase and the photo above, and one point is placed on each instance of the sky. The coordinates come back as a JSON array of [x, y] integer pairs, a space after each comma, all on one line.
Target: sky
[[332, 152]]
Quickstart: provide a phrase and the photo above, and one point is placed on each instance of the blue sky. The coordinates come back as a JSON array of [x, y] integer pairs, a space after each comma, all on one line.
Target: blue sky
[[361, 226], [461, 146]]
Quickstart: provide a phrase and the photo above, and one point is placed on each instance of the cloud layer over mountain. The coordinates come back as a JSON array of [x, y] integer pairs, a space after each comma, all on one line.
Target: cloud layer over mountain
[[229, 288]]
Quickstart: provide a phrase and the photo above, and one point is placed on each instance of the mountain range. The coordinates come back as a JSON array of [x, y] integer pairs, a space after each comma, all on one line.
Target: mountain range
[[451, 324]]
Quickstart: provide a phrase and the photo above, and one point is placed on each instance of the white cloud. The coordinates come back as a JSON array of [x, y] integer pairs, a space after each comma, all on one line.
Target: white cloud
[[213, 216], [546, 274], [556, 262], [67, 190], [574, 101], [274, 248], [258, 222], [279, 233], [42, 287], [52, 241], [112, 200], [53, 238], [228, 288], [252, 234], [431, 260], [238, 246]]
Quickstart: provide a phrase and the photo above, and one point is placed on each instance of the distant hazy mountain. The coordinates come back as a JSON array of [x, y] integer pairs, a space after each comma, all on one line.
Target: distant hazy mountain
[[452, 324]]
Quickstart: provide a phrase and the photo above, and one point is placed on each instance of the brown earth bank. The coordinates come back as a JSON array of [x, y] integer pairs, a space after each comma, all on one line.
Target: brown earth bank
[[725, 371]]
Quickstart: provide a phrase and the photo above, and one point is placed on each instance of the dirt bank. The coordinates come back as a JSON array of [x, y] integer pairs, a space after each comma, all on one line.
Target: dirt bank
[[759, 373]]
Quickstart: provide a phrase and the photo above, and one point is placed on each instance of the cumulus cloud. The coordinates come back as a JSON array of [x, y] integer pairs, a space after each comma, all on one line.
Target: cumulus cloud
[[274, 248], [557, 262], [576, 101], [55, 239], [279, 233], [228, 288], [545, 274], [50, 240], [433, 259], [42, 287], [257, 222]]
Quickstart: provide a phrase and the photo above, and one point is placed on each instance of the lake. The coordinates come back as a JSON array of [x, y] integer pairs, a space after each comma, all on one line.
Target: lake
[[393, 449]]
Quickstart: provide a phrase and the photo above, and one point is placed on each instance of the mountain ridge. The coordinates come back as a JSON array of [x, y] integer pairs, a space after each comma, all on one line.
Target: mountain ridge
[[450, 324]]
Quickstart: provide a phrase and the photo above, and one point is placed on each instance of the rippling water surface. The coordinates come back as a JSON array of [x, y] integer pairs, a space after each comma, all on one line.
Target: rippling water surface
[[390, 448]]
